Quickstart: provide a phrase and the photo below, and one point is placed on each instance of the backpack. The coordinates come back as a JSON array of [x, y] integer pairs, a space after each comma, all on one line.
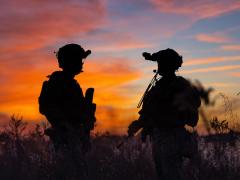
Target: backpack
[[188, 102], [46, 96]]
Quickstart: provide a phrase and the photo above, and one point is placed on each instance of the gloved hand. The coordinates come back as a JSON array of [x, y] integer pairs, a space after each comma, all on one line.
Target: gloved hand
[[133, 128]]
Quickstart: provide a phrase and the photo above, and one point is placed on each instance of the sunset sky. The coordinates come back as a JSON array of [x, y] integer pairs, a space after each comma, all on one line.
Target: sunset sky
[[205, 32]]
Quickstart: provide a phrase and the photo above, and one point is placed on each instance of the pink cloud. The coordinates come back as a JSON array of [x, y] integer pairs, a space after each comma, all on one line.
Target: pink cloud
[[28, 25], [231, 47], [197, 9], [212, 69], [209, 60], [108, 41], [122, 44], [212, 38]]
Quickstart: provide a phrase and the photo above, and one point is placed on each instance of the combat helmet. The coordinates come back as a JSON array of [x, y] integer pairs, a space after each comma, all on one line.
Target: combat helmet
[[167, 58], [71, 53]]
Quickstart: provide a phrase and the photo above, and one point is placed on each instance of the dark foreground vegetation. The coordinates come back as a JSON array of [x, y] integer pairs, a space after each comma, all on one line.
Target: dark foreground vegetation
[[31, 156]]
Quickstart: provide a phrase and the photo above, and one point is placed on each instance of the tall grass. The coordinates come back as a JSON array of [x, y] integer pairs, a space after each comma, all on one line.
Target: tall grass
[[31, 156]]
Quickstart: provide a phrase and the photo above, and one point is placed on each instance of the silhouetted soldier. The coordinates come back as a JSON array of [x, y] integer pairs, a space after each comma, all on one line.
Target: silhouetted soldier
[[70, 114], [169, 104]]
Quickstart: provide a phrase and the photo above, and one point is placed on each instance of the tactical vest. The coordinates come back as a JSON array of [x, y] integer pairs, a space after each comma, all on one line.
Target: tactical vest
[[61, 100], [172, 103]]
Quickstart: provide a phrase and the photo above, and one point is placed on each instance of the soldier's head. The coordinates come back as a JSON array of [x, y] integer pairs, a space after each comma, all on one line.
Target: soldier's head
[[70, 58], [168, 61]]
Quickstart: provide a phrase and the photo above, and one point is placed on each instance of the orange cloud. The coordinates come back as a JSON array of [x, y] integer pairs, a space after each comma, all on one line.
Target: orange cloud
[[110, 71], [21, 86], [212, 38], [220, 85], [108, 79], [209, 60], [235, 74], [231, 47], [212, 69], [197, 9]]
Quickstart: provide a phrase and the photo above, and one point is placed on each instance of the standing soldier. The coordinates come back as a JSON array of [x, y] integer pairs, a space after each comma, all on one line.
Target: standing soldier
[[70, 114], [169, 104]]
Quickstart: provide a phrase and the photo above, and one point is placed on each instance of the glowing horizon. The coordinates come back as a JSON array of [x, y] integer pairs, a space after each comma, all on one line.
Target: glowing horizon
[[205, 33]]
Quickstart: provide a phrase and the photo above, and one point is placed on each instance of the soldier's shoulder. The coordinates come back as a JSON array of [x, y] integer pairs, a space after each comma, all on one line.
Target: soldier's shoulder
[[189, 88], [56, 76], [55, 80], [59, 78], [181, 81]]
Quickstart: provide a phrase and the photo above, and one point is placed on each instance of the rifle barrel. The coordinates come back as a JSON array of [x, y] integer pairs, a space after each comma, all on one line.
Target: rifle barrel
[[146, 91]]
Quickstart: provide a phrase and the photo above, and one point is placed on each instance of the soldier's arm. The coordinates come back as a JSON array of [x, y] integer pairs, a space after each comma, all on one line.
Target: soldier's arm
[[136, 125]]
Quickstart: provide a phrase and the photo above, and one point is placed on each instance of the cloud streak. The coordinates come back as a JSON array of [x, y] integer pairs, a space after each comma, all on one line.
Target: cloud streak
[[197, 10], [211, 60], [212, 69], [117, 41], [31, 25], [235, 47], [235, 74], [212, 38], [20, 92], [31, 30]]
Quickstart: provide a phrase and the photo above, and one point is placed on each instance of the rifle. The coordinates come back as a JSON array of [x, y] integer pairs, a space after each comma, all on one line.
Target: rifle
[[151, 84], [136, 125]]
